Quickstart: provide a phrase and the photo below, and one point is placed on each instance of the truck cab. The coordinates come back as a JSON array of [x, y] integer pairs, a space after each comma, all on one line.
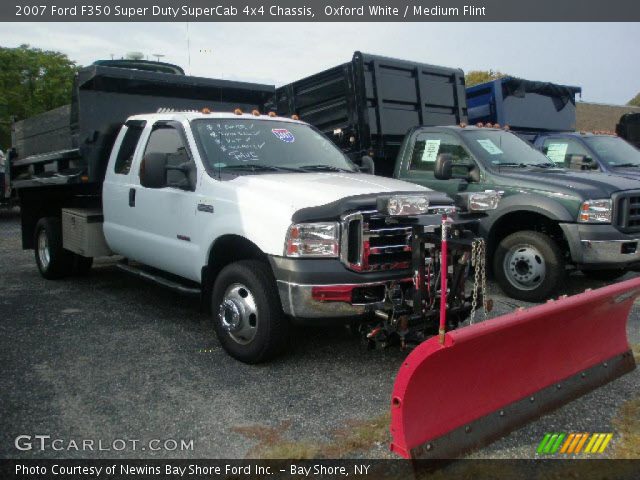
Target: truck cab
[[548, 219], [585, 151]]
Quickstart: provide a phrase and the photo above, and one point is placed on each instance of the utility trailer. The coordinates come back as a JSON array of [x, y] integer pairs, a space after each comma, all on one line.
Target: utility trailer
[[60, 157], [367, 105]]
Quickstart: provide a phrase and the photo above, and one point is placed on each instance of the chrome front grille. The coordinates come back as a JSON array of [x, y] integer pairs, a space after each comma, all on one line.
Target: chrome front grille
[[370, 244], [628, 212]]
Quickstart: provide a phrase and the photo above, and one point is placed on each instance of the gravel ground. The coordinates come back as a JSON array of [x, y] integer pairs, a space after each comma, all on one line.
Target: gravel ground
[[111, 357]]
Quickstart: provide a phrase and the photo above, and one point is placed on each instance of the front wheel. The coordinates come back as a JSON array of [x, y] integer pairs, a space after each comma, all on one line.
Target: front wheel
[[247, 314], [529, 266]]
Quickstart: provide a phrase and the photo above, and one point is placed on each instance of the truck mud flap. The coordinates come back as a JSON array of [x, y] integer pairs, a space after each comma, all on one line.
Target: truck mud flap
[[490, 378]]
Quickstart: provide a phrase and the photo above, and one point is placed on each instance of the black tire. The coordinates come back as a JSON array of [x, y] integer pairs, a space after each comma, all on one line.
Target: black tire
[[529, 254], [604, 275], [53, 261], [82, 265], [269, 334]]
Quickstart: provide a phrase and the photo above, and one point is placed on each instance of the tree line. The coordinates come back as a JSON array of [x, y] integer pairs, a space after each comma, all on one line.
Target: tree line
[[33, 81]]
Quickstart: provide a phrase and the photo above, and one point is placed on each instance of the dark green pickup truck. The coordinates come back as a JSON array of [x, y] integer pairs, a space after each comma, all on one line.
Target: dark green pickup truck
[[549, 219]]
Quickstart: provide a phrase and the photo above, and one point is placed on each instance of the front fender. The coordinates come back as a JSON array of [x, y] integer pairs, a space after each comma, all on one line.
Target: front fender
[[527, 202]]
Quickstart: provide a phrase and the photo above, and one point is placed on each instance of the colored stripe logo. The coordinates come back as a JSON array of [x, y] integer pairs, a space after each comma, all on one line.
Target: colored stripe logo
[[574, 443]]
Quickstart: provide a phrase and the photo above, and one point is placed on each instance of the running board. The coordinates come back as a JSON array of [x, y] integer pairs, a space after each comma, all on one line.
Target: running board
[[159, 279]]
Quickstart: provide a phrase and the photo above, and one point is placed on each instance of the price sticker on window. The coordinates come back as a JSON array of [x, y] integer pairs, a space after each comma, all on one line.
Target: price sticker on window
[[431, 149], [557, 152], [490, 147]]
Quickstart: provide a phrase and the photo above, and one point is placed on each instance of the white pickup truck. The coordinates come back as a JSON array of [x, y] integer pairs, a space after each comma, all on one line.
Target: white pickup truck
[[262, 216]]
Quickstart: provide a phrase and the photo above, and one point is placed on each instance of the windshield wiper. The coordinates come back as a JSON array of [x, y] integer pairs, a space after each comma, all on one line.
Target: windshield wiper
[[513, 164], [626, 165], [256, 167], [323, 168]]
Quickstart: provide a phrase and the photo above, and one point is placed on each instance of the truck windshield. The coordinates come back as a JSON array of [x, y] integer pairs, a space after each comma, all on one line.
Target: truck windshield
[[266, 146], [614, 151], [502, 148]]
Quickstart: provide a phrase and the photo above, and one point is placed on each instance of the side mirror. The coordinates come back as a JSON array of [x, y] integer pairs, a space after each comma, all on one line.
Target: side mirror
[[443, 169], [367, 165], [580, 162], [153, 170]]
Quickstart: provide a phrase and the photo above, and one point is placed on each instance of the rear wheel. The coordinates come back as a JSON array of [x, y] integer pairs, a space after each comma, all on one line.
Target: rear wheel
[[529, 266], [247, 314], [53, 261], [604, 275]]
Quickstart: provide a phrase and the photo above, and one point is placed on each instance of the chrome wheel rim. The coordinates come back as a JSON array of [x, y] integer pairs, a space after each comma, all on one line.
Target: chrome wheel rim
[[524, 267], [238, 314], [43, 249]]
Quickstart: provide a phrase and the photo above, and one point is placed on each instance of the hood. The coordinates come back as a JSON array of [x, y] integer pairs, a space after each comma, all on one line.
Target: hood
[[587, 185], [303, 190], [630, 173]]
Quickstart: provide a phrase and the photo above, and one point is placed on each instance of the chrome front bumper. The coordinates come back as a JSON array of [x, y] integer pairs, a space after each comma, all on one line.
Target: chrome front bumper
[[619, 252], [601, 246], [297, 301]]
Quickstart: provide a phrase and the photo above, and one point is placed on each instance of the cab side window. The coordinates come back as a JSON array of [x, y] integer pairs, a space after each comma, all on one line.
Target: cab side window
[[560, 150], [168, 141], [429, 145], [128, 148]]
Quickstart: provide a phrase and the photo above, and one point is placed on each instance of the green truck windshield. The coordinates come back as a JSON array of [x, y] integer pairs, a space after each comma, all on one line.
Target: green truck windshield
[[615, 151], [266, 146], [502, 148]]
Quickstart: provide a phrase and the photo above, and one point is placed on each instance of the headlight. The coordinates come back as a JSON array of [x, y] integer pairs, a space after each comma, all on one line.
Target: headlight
[[595, 211], [313, 240], [479, 201], [398, 205]]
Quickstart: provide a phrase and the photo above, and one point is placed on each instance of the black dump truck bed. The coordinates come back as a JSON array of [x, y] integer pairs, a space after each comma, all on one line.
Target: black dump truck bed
[[71, 144], [367, 105], [629, 128]]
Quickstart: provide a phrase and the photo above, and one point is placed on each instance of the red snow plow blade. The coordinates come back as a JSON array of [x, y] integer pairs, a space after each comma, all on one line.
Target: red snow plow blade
[[492, 377]]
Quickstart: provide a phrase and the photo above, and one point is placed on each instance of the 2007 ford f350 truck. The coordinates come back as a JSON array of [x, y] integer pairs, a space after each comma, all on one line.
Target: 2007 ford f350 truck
[[262, 216]]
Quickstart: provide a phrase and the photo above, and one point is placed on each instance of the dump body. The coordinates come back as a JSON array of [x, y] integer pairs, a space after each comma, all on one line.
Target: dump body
[[74, 141], [524, 105], [367, 105]]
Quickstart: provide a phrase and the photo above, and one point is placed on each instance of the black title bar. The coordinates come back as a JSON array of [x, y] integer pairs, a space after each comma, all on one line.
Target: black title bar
[[320, 11]]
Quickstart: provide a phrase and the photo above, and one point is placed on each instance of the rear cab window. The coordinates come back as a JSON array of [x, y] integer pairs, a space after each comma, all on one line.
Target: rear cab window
[[128, 147]]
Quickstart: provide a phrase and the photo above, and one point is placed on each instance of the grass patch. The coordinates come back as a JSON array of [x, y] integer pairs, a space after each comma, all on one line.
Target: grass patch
[[356, 436]]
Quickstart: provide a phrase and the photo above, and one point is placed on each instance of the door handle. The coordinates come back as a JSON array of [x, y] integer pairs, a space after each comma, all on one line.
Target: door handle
[[132, 197]]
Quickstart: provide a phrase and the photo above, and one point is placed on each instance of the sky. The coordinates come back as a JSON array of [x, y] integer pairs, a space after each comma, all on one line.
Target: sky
[[602, 58]]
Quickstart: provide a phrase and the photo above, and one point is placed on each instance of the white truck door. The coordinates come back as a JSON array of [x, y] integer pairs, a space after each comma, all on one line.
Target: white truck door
[[118, 185], [163, 217]]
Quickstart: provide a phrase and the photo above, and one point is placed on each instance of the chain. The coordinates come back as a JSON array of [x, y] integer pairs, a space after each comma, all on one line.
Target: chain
[[478, 261]]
